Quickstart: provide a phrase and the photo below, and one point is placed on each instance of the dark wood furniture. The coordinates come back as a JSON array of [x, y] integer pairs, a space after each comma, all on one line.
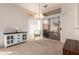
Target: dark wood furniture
[[46, 33], [71, 47]]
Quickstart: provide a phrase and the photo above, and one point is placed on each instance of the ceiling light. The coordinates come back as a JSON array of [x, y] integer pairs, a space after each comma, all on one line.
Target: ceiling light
[[39, 15]]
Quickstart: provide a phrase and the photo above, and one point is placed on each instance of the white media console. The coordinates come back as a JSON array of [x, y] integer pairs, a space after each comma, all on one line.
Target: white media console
[[14, 38]]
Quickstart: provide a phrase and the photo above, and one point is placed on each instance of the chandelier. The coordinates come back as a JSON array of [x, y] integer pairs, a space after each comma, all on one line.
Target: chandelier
[[39, 15]]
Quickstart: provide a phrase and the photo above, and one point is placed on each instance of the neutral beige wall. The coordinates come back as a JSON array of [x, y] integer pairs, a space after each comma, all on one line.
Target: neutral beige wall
[[69, 18], [10, 17]]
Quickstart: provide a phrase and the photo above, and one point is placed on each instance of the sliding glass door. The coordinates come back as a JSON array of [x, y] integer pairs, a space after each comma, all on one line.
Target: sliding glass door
[[54, 27]]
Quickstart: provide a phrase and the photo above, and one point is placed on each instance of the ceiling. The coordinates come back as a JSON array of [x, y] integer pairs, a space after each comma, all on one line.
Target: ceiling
[[34, 7], [51, 6]]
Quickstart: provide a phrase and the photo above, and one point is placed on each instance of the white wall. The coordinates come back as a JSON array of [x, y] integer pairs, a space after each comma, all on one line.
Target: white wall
[[10, 17], [69, 18]]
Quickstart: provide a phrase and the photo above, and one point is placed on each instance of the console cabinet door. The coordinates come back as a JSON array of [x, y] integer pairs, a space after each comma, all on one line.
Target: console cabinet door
[[17, 38], [9, 40], [24, 37]]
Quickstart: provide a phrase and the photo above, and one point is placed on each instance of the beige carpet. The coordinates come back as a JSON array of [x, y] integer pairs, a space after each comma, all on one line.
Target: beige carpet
[[37, 47]]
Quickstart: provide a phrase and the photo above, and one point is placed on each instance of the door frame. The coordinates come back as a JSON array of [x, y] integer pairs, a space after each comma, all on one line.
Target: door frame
[[59, 14]]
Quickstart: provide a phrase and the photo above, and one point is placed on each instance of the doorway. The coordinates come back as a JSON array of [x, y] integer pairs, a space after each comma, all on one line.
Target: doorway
[[52, 27]]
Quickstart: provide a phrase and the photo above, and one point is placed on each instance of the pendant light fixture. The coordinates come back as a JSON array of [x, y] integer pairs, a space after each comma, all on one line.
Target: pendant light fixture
[[39, 15]]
